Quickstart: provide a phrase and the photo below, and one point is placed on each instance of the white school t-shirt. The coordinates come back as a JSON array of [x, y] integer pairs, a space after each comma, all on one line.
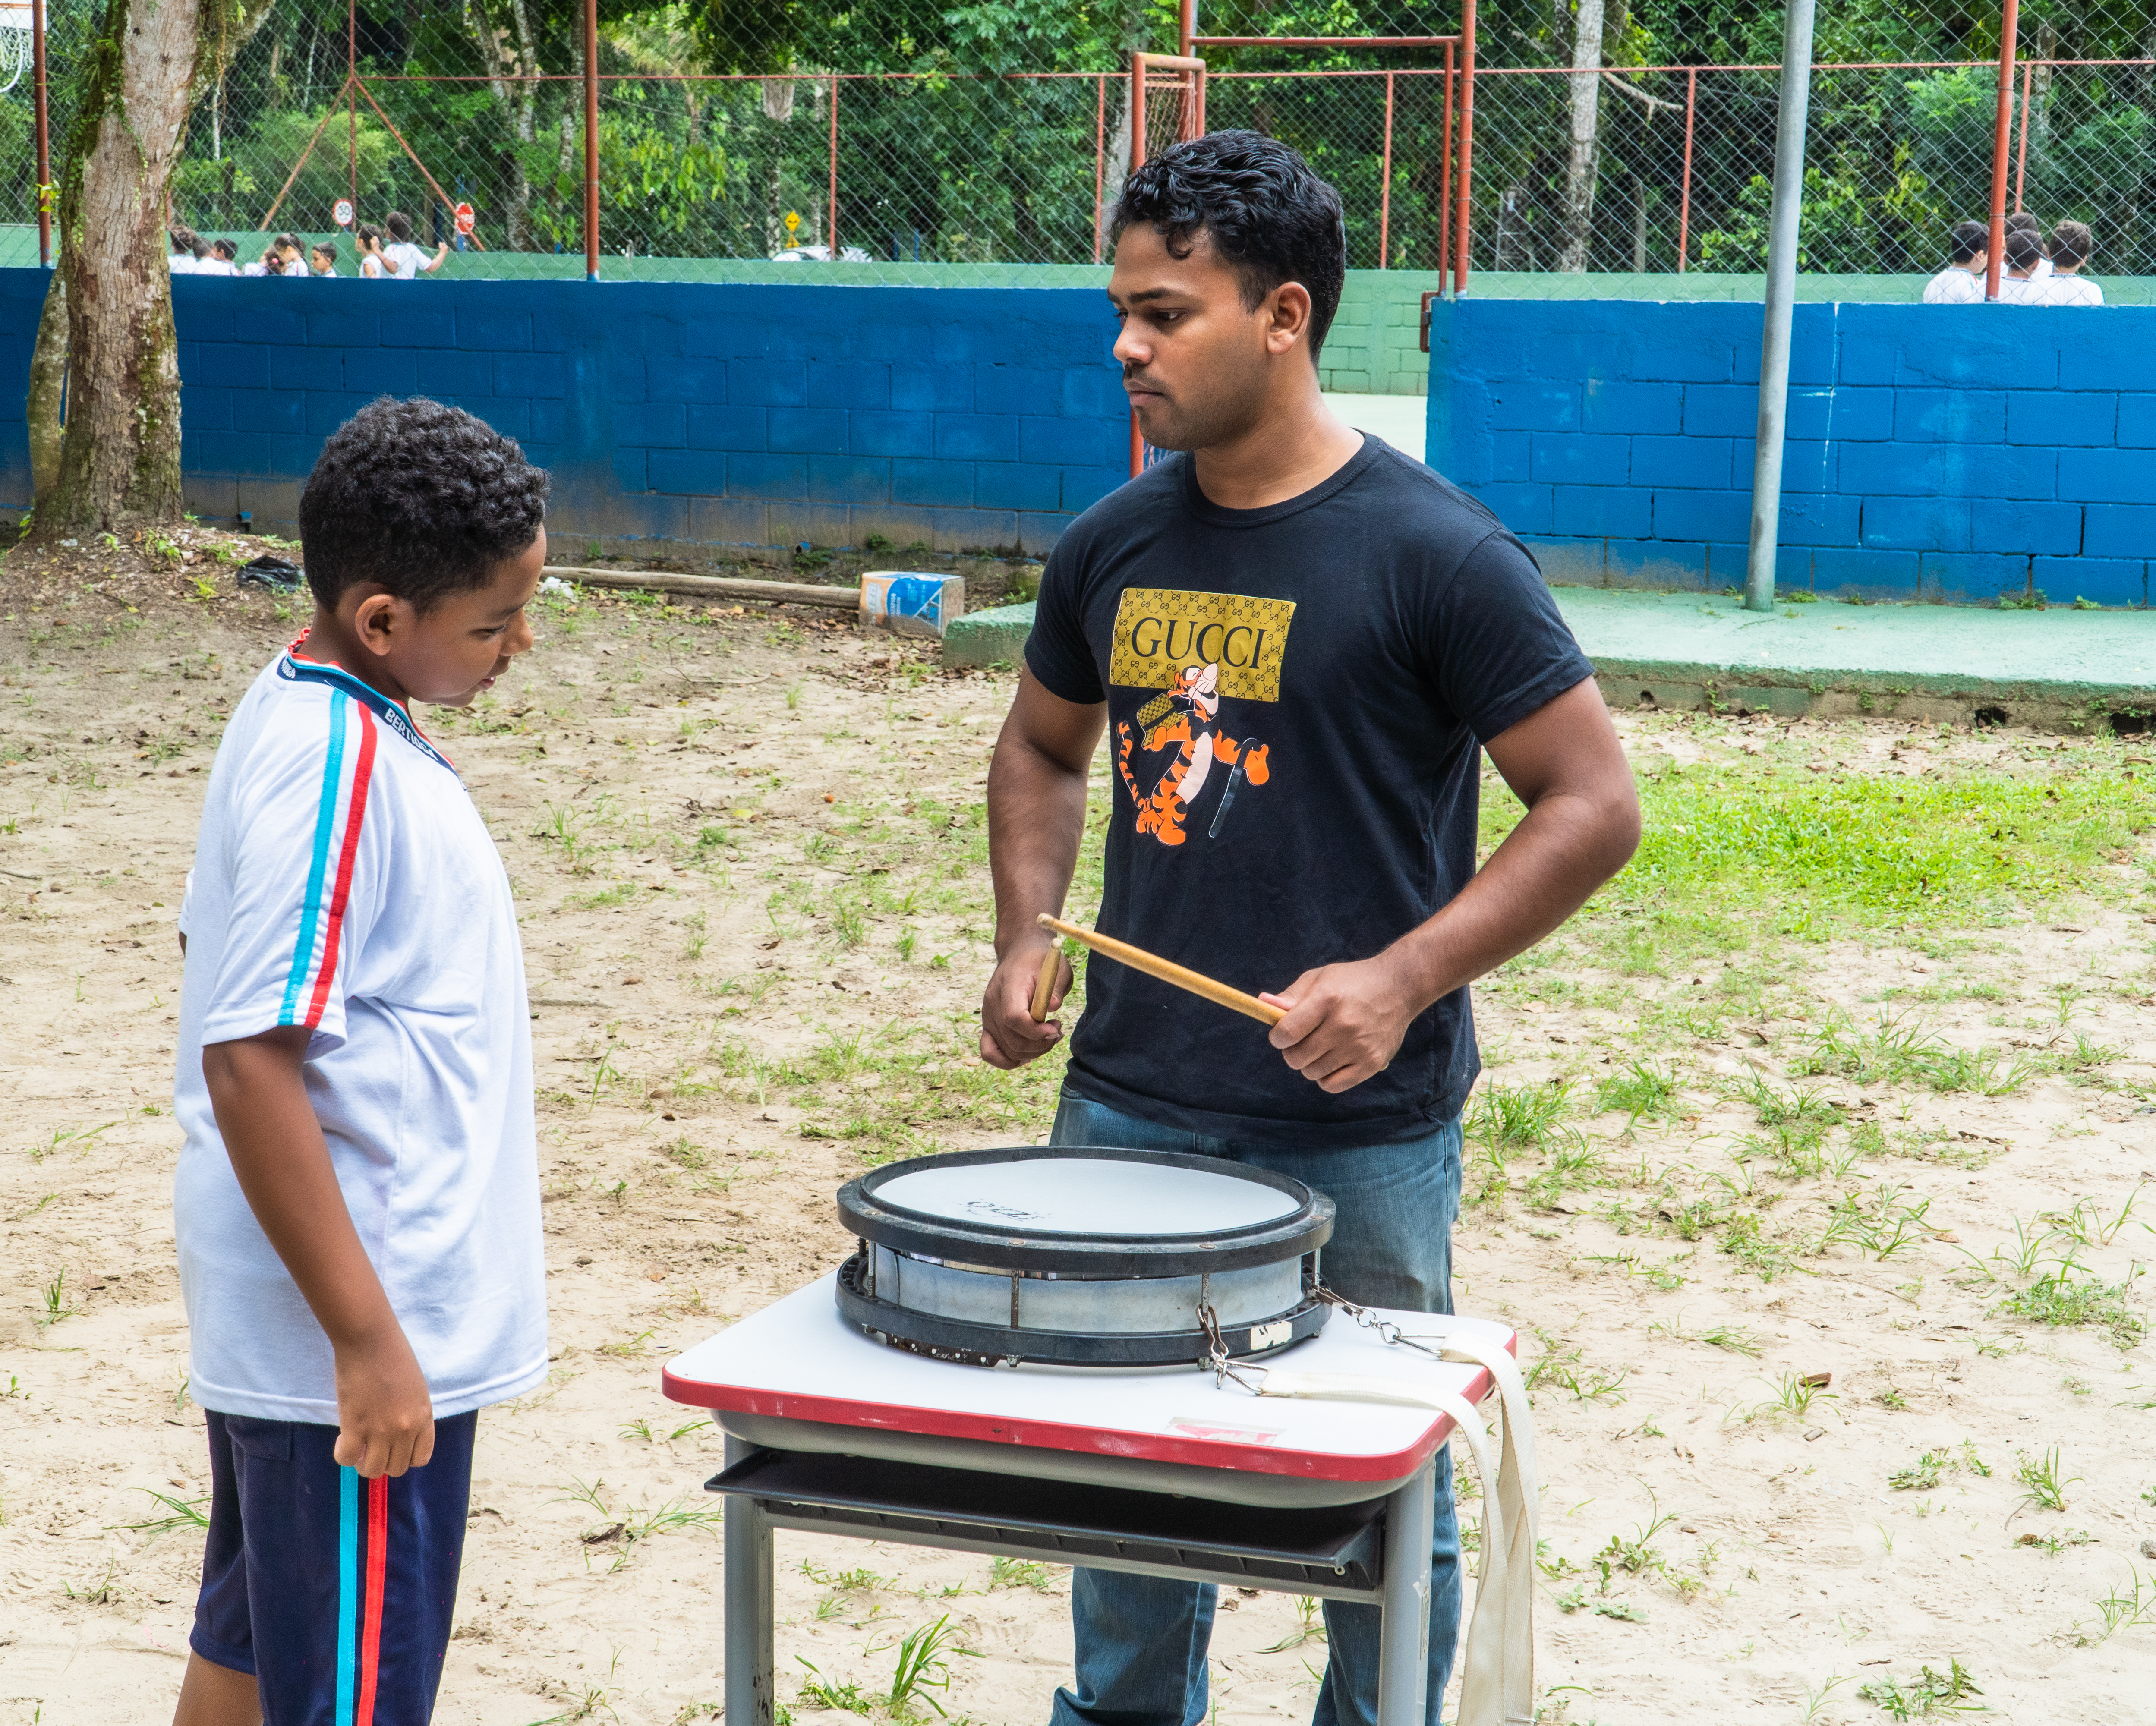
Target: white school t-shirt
[[1953, 286], [344, 880], [407, 259], [2067, 290]]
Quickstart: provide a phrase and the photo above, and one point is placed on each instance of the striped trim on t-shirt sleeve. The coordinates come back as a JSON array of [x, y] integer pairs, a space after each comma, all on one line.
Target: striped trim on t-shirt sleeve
[[339, 816]]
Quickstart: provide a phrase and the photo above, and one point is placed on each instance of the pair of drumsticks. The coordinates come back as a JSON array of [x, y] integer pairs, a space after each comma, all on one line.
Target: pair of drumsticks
[[1138, 959]]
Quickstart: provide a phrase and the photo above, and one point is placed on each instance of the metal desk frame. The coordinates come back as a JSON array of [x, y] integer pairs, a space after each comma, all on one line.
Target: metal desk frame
[[1401, 1593]]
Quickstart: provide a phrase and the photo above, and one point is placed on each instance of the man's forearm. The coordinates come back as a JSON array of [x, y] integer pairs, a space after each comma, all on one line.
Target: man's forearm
[[284, 1168], [1564, 848], [1036, 820]]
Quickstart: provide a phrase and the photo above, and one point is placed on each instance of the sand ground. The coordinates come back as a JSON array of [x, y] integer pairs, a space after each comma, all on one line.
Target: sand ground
[[750, 856]]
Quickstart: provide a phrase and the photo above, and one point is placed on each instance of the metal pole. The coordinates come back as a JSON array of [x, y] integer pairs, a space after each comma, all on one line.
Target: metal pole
[[1190, 26], [2009, 24], [1684, 203], [1781, 299], [2021, 152], [1385, 182], [1137, 111], [831, 228], [44, 139], [1445, 177], [352, 94], [1460, 240], [1100, 158], [590, 139]]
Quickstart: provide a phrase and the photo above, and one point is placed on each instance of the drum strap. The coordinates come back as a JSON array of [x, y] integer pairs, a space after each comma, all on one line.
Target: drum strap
[[1497, 1678]]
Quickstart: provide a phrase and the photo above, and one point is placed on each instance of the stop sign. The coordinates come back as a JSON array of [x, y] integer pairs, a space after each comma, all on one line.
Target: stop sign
[[465, 219]]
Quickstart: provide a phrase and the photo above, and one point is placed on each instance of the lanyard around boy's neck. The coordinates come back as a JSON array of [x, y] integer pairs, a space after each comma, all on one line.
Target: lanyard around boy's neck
[[292, 667]]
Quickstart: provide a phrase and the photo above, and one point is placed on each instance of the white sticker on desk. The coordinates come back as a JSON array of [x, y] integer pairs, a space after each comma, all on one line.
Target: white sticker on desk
[[1190, 1427]]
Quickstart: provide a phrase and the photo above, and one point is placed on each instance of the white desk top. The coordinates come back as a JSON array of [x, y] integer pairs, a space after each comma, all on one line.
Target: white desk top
[[798, 1359]]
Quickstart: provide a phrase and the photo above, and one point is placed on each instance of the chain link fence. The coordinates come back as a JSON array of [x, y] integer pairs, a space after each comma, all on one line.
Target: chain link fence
[[990, 138]]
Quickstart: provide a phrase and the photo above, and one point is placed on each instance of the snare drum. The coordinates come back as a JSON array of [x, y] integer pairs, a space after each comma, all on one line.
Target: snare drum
[[1082, 1256]]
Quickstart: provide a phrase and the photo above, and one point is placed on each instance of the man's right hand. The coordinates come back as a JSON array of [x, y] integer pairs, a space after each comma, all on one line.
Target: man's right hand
[[1010, 1036], [385, 1416]]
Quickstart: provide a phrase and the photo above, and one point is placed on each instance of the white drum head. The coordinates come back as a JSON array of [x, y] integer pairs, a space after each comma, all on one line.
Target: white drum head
[[1088, 1195]]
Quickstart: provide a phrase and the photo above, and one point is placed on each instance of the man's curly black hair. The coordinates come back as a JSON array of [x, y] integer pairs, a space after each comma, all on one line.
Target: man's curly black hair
[[421, 499], [1266, 213]]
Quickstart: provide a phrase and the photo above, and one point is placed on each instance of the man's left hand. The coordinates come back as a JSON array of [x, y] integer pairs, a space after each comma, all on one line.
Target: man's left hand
[[1344, 1022]]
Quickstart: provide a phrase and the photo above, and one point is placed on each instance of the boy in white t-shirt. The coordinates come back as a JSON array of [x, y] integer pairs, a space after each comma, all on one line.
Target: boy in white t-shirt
[[408, 261], [356, 1206], [1961, 283]]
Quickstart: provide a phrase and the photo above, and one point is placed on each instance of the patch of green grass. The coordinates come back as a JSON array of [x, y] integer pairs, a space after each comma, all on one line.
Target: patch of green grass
[[1952, 849], [1504, 1116], [1929, 1693], [1642, 1089]]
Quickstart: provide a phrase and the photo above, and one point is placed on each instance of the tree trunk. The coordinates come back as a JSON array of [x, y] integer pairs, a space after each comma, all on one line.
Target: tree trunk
[[120, 454], [1639, 226], [1586, 82], [48, 390], [512, 79]]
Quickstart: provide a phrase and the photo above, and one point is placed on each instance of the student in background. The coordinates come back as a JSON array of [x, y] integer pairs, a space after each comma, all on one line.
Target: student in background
[[184, 242], [372, 265], [2022, 285], [324, 260], [407, 260], [2070, 244], [220, 261], [1961, 283], [2023, 221]]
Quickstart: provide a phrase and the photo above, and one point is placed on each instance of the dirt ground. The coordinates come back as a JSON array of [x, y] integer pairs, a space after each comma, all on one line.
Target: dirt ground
[[750, 852]]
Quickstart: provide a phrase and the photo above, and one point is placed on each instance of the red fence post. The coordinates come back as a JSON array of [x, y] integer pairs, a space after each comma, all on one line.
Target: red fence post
[[2010, 23], [1445, 176], [1461, 236], [1683, 200], [1100, 158], [1385, 185], [831, 226], [590, 139], [2021, 155]]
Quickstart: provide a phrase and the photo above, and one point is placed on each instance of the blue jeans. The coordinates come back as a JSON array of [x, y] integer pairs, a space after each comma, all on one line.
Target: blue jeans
[[1142, 1640]]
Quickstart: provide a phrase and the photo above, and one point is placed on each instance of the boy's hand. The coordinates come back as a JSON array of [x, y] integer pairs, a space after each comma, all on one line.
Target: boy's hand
[[385, 1416]]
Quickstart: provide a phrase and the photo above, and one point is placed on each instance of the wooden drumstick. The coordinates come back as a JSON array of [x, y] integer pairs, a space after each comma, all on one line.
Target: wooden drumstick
[[1044, 986], [1138, 959]]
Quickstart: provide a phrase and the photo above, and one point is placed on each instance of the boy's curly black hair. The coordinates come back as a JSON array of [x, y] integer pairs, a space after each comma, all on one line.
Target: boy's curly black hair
[[1268, 215], [420, 498]]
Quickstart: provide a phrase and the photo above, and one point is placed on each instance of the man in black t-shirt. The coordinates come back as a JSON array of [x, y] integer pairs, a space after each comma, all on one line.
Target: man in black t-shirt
[[1298, 641]]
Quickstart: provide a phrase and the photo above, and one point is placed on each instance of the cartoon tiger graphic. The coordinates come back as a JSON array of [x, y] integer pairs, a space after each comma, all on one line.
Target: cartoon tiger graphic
[[1188, 715]]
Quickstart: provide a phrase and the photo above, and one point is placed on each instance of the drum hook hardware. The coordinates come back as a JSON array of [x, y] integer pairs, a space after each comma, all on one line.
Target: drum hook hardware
[[1383, 1329], [1251, 1378]]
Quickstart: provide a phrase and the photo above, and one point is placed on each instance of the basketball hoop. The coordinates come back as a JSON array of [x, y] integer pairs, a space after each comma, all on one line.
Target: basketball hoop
[[15, 26]]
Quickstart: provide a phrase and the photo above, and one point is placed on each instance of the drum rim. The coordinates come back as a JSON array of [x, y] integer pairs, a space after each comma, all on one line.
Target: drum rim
[[980, 1344], [871, 1217]]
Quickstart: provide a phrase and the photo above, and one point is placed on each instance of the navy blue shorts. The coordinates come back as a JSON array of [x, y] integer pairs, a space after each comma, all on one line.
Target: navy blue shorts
[[335, 1592]]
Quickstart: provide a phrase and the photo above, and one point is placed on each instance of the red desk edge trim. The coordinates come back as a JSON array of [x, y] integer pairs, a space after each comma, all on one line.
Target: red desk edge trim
[[1057, 1435]]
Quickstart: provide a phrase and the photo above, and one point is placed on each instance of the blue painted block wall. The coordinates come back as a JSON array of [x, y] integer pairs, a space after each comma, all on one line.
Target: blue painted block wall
[[716, 412], [1944, 453]]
